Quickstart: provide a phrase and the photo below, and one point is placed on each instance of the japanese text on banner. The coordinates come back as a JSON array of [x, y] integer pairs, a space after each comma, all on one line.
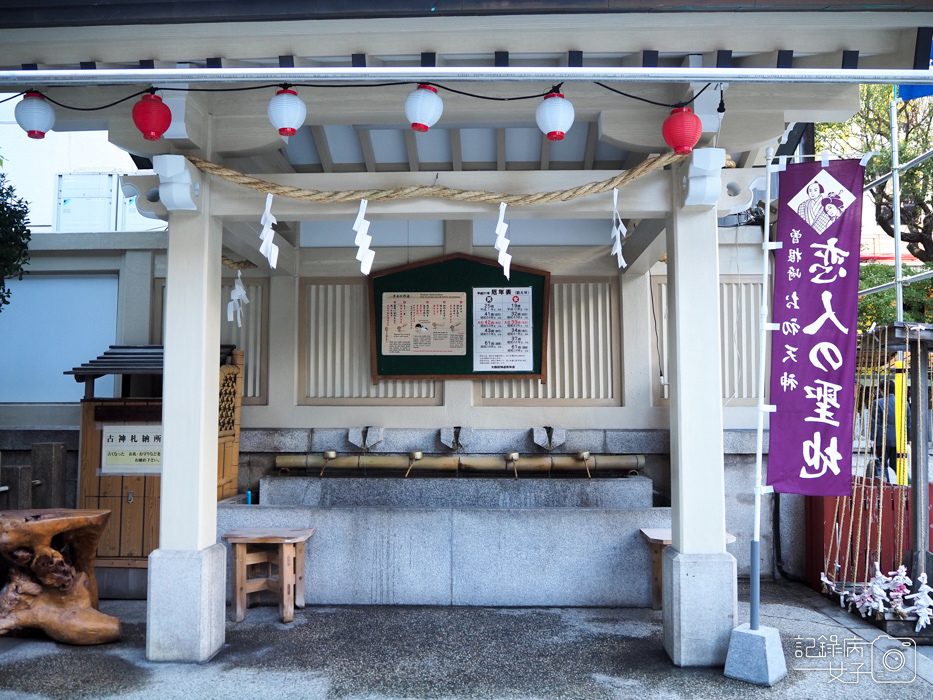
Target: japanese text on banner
[[815, 307]]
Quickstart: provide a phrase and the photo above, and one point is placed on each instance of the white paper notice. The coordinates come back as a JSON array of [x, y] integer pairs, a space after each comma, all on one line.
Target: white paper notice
[[502, 329], [424, 323], [131, 449]]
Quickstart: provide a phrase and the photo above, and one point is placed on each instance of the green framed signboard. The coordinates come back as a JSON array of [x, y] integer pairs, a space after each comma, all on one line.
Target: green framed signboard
[[458, 317]]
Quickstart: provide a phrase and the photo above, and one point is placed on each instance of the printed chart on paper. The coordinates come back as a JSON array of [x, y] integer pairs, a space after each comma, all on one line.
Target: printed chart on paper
[[424, 323], [502, 329]]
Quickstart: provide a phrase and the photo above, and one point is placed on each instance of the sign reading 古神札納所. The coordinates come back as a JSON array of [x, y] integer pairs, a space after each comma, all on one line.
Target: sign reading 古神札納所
[[131, 449]]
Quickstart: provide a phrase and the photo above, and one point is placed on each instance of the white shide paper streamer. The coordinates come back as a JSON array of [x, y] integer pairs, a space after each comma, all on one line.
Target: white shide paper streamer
[[363, 239], [502, 243], [268, 247], [618, 229], [237, 299]]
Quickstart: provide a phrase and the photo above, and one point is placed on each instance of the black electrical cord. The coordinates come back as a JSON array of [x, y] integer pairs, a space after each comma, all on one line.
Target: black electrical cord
[[690, 101], [287, 86], [235, 89], [352, 85], [654, 102], [633, 97], [657, 337], [554, 89], [92, 109]]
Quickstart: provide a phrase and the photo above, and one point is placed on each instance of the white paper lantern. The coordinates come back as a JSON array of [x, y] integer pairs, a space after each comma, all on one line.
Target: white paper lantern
[[34, 115], [423, 107], [287, 112], [554, 116]]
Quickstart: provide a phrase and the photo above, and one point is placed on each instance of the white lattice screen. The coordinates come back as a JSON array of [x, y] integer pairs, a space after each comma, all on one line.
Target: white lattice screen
[[581, 362], [337, 361]]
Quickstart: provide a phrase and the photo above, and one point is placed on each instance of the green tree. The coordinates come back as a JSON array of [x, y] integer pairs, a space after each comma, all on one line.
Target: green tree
[[14, 238], [881, 307], [870, 130]]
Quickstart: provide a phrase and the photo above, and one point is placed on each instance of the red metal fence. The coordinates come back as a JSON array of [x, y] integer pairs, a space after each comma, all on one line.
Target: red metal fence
[[847, 535]]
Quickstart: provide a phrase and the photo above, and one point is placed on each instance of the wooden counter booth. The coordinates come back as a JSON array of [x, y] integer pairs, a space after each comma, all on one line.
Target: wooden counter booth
[[120, 456]]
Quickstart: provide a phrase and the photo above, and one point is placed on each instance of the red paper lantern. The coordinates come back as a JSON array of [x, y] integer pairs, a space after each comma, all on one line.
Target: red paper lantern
[[152, 117], [682, 130]]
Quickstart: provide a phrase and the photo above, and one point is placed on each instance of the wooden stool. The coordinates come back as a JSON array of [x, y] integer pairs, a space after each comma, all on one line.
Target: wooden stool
[[659, 538], [282, 547]]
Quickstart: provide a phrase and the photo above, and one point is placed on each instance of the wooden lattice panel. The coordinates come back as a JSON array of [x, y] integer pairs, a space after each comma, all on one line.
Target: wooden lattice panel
[[228, 448], [229, 403]]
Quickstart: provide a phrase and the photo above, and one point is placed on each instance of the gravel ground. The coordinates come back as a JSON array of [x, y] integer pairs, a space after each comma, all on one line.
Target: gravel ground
[[399, 652]]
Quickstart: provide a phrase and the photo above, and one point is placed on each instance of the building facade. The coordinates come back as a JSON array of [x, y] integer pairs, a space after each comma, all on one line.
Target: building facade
[[656, 358]]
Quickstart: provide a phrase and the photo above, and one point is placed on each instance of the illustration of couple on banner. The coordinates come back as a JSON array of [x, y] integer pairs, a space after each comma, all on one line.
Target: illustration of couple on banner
[[821, 207]]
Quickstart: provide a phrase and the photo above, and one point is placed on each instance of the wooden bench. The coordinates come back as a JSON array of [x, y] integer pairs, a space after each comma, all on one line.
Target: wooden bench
[[659, 538], [256, 551]]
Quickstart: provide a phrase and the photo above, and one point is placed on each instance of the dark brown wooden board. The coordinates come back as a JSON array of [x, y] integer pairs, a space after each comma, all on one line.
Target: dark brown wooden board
[[456, 273]]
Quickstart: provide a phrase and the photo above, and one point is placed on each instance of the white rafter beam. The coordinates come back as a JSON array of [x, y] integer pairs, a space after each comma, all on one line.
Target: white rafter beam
[[644, 246]]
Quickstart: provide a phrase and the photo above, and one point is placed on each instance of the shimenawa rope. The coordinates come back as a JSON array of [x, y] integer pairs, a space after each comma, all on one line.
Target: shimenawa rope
[[458, 195]]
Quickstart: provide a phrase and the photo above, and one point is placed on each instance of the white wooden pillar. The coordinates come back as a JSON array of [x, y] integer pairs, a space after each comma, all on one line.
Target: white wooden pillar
[[637, 335], [186, 614], [134, 297], [134, 307], [699, 576], [458, 393]]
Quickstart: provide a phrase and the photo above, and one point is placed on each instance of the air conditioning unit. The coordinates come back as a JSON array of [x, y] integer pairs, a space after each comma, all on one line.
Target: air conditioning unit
[[94, 202], [86, 202]]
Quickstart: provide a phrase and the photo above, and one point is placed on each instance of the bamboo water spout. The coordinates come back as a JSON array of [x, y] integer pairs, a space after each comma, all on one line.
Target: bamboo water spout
[[542, 463]]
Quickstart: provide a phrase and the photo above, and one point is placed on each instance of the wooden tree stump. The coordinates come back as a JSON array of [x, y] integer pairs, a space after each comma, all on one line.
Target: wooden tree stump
[[52, 585]]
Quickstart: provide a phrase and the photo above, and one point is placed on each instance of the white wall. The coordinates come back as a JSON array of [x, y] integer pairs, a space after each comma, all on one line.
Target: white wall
[[31, 165], [54, 323]]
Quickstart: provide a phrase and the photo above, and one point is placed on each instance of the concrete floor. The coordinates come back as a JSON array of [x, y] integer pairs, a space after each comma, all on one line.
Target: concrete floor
[[383, 653]]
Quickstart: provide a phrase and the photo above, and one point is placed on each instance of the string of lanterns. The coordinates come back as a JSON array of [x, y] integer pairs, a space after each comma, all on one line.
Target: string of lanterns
[[423, 109]]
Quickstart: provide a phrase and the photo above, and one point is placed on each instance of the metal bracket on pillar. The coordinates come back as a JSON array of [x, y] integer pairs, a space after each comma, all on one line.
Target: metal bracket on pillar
[[702, 178], [179, 183]]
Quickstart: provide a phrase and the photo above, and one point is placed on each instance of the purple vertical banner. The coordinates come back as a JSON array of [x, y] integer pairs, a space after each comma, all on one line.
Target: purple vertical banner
[[815, 307]]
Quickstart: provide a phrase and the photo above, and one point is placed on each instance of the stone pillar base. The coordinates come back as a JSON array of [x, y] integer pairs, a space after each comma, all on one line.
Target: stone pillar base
[[186, 614], [700, 607]]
